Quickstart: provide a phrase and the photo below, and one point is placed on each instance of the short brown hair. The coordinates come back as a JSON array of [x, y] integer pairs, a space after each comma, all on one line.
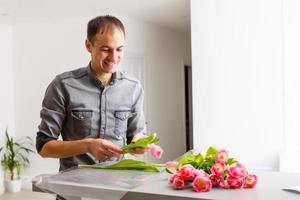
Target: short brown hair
[[102, 23]]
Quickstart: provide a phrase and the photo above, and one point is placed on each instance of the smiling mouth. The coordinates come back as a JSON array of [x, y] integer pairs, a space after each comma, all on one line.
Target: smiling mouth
[[109, 63]]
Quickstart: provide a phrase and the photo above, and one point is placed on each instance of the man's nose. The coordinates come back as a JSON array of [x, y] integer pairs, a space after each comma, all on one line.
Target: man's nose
[[114, 56]]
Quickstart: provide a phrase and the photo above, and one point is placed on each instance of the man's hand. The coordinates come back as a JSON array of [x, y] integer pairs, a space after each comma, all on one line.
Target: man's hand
[[104, 149], [138, 150]]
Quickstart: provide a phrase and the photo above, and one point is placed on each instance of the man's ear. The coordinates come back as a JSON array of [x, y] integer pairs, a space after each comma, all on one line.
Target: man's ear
[[88, 45]]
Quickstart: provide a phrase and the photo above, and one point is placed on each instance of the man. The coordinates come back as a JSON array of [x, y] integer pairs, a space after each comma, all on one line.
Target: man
[[95, 109]]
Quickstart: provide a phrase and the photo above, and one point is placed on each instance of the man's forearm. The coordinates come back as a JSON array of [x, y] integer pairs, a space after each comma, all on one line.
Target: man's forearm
[[64, 149]]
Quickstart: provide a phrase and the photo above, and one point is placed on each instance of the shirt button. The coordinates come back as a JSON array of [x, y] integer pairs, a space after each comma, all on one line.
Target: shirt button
[[81, 116]]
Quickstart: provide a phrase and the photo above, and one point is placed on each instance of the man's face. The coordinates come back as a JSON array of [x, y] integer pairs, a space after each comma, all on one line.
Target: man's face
[[106, 50]]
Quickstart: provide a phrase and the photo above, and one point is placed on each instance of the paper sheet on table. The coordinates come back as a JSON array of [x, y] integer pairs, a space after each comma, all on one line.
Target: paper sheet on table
[[293, 189], [104, 178], [112, 184]]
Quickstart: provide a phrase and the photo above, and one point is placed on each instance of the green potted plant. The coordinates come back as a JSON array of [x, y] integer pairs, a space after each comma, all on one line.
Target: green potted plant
[[14, 157]]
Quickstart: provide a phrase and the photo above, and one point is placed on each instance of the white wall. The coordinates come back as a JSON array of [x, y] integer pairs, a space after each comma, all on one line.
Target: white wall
[[166, 53], [292, 70], [44, 48], [237, 78], [6, 87], [291, 31]]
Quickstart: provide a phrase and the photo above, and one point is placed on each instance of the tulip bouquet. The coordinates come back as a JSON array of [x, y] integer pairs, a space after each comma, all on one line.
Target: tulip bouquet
[[130, 164], [216, 168], [147, 142]]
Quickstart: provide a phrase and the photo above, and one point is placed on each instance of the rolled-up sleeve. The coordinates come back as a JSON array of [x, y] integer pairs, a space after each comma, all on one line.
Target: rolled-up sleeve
[[52, 114], [136, 122]]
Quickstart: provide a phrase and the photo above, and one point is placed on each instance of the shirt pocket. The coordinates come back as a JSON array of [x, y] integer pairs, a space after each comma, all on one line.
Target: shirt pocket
[[121, 119], [81, 122]]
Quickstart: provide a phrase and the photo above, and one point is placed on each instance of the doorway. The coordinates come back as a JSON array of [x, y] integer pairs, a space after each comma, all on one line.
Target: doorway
[[188, 107]]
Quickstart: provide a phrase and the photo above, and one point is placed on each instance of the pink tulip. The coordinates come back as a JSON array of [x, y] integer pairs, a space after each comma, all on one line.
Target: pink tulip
[[178, 183], [233, 182], [216, 180], [222, 156], [172, 164], [202, 184], [156, 151], [237, 170], [218, 169], [200, 172], [186, 172], [250, 181], [171, 178]]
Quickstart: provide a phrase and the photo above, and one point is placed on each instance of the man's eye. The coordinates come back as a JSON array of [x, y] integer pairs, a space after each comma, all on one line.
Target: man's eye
[[119, 50], [105, 49]]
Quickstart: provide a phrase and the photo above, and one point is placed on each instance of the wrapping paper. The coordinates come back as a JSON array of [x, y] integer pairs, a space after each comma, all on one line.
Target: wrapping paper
[[115, 183]]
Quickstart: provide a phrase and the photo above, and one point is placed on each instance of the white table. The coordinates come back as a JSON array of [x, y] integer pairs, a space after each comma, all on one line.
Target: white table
[[131, 185]]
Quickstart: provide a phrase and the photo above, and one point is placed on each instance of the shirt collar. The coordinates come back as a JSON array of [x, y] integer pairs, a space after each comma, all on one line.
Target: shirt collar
[[115, 76]]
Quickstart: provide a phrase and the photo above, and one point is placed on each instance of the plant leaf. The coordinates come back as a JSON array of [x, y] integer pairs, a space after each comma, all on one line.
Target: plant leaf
[[211, 152], [14, 155], [143, 143], [128, 164], [187, 158], [230, 161], [170, 171], [199, 158]]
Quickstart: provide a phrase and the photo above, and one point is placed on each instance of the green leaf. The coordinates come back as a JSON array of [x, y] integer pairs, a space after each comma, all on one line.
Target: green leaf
[[170, 171], [199, 158], [14, 155], [128, 164], [187, 158], [230, 161], [211, 152], [142, 143]]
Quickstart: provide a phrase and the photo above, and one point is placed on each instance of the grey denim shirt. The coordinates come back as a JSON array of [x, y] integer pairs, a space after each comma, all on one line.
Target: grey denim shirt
[[77, 106]]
